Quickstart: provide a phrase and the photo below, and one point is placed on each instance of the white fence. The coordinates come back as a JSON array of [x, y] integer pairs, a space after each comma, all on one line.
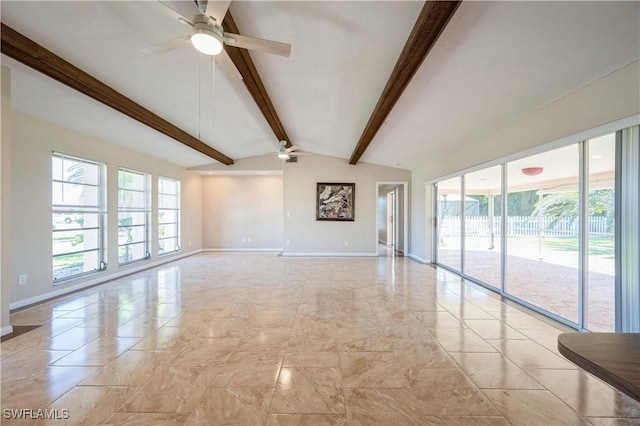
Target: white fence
[[524, 226]]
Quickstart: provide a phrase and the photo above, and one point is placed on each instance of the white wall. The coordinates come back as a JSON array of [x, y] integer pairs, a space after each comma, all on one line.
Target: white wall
[[307, 236], [5, 203], [33, 142], [242, 212], [612, 98]]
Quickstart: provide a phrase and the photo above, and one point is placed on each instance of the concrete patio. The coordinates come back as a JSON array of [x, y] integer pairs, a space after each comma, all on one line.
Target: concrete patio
[[549, 281]]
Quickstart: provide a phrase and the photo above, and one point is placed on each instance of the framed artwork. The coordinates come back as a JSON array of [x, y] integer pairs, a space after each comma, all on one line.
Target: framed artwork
[[335, 201]]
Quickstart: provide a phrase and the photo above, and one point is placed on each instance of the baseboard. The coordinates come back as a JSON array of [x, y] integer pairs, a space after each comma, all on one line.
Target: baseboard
[[99, 280], [329, 254], [6, 330], [259, 250], [418, 259]]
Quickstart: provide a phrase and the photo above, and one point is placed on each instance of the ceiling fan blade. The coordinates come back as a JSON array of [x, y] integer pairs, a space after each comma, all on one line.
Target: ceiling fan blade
[[217, 9], [228, 66], [168, 45], [164, 7], [251, 43]]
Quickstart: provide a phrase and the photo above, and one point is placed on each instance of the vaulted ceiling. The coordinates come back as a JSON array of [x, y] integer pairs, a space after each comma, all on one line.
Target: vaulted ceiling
[[493, 63]]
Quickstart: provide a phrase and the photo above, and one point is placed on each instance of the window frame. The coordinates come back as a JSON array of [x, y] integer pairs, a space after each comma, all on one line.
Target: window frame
[[145, 210], [177, 209], [71, 210]]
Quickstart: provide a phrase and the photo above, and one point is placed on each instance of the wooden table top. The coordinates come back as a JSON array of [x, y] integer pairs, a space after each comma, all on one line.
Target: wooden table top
[[613, 357]]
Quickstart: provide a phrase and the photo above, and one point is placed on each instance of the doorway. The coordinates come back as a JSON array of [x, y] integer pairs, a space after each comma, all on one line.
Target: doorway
[[391, 230]]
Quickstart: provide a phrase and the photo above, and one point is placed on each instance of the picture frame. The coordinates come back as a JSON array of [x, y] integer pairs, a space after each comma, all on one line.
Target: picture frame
[[335, 201]]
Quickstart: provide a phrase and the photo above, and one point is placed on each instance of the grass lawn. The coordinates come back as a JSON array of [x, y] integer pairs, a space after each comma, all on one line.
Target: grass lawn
[[66, 261], [603, 247]]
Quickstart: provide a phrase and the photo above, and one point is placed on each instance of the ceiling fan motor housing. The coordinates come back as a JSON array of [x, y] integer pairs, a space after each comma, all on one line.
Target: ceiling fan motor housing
[[205, 35]]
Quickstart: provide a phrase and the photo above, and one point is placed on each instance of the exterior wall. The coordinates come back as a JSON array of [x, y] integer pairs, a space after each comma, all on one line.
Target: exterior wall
[[571, 118], [33, 142], [303, 235], [242, 212]]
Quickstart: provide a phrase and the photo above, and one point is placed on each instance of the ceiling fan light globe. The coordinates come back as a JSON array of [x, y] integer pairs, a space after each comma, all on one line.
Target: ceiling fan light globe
[[206, 42], [284, 155]]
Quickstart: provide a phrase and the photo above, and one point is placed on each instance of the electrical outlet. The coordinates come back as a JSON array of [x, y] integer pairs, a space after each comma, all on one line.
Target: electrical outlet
[[244, 240], [249, 239], [346, 243], [22, 279], [288, 242], [189, 243]]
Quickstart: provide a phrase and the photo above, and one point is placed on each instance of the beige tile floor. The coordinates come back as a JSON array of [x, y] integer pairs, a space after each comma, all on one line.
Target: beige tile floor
[[246, 338]]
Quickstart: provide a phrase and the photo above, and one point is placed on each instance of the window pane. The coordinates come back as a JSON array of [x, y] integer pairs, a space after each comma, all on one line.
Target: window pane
[[132, 218], [167, 216], [132, 234], [131, 180], [71, 194], [75, 240], [168, 245], [600, 239], [168, 201], [482, 225], [67, 266], [449, 215], [56, 168], [132, 252], [542, 231], [168, 186], [165, 231], [132, 199], [79, 171], [137, 181]]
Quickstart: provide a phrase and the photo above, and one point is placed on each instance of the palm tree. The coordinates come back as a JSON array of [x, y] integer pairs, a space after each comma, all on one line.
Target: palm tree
[[562, 205]]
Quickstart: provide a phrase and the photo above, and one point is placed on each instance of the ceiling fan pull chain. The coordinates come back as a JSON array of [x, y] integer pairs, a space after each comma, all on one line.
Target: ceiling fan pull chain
[[213, 98]]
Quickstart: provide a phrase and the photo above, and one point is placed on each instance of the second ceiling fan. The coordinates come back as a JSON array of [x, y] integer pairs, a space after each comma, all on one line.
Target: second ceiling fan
[[208, 36]]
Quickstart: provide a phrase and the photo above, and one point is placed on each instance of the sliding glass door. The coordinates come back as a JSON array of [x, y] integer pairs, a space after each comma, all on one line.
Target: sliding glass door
[[482, 225], [600, 236], [450, 206], [563, 252], [542, 258]]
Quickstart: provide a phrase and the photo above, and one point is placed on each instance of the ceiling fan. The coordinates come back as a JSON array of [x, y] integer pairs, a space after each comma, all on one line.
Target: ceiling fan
[[285, 153], [208, 36]]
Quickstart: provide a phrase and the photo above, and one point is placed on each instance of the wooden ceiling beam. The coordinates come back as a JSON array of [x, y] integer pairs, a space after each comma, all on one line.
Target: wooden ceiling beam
[[243, 62], [28, 52], [433, 19]]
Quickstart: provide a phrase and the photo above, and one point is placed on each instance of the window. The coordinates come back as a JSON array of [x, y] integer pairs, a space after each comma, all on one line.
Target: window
[[133, 216], [168, 215], [77, 217]]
